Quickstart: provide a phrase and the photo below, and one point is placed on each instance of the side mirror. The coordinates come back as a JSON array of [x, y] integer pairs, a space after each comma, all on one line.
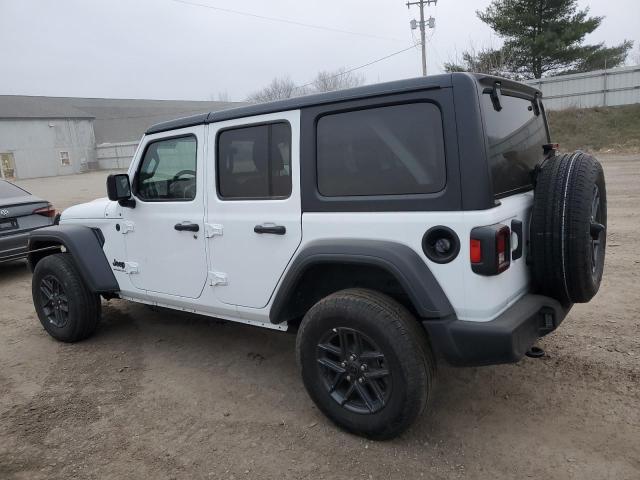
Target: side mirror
[[119, 189]]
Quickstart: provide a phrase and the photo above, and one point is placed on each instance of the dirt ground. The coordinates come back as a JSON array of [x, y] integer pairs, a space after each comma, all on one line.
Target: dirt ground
[[166, 395]]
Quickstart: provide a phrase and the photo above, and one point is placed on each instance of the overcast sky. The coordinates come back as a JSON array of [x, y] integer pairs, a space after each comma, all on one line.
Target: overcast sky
[[170, 50]]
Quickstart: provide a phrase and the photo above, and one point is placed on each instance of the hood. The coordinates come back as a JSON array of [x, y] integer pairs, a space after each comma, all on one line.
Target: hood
[[94, 209]]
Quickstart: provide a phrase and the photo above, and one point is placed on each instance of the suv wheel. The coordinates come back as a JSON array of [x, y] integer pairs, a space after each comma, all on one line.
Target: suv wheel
[[67, 309], [366, 362]]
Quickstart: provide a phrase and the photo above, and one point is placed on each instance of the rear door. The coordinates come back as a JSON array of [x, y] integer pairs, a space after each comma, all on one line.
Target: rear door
[[254, 213], [164, 234]]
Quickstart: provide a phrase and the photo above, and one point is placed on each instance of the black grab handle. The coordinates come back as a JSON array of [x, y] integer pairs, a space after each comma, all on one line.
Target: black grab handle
[[187, 227], [273, 229]]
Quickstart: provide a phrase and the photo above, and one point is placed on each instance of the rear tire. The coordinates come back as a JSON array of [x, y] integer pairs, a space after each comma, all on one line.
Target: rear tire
[[67, 309], [568, 228], [365, 362]]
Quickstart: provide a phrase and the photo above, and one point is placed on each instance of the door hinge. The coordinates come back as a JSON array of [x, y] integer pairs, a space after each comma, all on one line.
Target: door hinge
[[127, 227], [217, 278], [212, 229], [131, 267]]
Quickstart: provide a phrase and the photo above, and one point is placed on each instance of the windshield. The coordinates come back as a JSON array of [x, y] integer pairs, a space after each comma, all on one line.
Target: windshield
[[515, 136], [7, 190]]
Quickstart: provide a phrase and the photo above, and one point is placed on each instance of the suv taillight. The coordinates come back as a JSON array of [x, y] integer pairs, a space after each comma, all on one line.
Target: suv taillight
[[490, 249], [47, 211]]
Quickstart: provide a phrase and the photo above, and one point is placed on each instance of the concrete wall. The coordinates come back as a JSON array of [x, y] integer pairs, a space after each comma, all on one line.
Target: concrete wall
[[36, 145], [114, 156], [617, 86]]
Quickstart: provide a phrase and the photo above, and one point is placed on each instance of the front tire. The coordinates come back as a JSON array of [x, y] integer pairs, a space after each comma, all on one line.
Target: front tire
[[67, 309], [365, 362]]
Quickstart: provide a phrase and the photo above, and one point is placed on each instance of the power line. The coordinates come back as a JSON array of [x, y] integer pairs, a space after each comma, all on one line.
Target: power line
[[284, 20], [362, 66], [199, 110]]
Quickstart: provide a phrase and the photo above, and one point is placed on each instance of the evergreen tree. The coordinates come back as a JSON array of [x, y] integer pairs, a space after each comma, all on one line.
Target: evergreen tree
[[546, 37]]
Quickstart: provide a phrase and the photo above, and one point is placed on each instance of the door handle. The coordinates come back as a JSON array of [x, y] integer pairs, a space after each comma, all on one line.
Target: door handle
[[187, 227], [272, 229]]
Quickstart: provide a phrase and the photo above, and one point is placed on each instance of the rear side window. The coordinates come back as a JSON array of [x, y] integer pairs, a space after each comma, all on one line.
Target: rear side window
[[392, 150], [255, 162], [515, 136], [168, 170]]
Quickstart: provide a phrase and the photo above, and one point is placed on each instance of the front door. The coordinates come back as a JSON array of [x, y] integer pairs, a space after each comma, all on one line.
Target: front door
[[254, 213], [164, 233]]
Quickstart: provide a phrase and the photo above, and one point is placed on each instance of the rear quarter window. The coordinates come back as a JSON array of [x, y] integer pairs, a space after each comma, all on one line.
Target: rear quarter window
[[391, 150]]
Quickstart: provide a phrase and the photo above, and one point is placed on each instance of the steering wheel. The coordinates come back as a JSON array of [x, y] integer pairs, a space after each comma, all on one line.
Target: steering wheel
[[184, 172]]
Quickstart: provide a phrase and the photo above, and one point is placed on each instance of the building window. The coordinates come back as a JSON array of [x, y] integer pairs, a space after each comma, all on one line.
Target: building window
[[255, 162], [64, 159], [392, 150]]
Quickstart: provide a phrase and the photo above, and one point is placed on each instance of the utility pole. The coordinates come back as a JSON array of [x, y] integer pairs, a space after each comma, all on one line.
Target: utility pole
[[423, 25]]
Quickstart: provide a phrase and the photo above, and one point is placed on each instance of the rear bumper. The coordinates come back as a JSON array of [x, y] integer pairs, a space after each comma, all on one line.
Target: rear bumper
[[13, 247], [503, 340]]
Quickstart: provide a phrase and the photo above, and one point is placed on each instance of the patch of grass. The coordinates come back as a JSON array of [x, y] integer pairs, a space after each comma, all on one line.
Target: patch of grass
[[597, 129]]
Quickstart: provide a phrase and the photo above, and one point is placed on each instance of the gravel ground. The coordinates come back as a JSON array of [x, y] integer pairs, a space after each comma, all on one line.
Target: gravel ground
[[158, 394]]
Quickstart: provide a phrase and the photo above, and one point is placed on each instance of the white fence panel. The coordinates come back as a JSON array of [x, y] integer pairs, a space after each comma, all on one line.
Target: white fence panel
[[115, 156], [617, 86]]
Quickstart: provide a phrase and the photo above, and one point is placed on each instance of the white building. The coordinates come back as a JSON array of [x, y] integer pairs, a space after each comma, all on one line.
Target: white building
[[47, 136]]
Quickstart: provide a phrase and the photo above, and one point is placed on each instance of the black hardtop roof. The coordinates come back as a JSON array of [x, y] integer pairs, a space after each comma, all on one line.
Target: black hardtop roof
[[378, 89]]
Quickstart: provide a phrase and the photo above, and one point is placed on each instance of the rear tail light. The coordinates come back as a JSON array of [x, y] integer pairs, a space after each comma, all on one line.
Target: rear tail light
[[490, 249], [47, 211], [476, 251]]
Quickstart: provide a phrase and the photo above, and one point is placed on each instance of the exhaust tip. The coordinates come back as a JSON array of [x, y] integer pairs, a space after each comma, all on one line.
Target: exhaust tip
[[535, 352]]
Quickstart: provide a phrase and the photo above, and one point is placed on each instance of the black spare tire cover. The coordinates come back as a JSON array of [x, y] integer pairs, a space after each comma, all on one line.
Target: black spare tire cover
[[568, 228]]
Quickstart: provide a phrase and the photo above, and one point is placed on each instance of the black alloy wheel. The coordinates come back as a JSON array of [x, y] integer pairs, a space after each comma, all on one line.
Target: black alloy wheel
[[354, 370], [366, 362], [67, 309], [54, 301]]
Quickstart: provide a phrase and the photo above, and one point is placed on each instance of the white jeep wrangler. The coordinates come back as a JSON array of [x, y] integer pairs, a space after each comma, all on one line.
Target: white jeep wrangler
[[389, 225]]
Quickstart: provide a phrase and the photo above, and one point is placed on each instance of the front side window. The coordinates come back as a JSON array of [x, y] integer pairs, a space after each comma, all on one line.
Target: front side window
[[168, 170], [393, 150], [515, 136], [255, 162]]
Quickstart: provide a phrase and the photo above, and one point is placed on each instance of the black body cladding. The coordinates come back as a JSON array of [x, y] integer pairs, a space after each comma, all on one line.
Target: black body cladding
[[85, 245], [404, 264]]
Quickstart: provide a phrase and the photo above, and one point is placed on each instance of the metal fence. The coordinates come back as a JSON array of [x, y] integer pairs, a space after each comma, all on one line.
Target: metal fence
[[111, 156], [616, 86]]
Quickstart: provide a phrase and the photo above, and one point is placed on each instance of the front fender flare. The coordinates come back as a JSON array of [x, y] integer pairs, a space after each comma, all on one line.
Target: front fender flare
[[401, 261], [85, 246]]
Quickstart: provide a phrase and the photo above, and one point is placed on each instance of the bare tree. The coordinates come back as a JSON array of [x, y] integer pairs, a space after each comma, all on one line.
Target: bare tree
[[221, 96], [280, 88], [329, 81], [325, 81], [485, 60]]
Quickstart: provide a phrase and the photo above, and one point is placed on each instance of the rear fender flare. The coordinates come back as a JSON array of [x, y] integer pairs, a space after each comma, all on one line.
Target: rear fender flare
[[401, 261]]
